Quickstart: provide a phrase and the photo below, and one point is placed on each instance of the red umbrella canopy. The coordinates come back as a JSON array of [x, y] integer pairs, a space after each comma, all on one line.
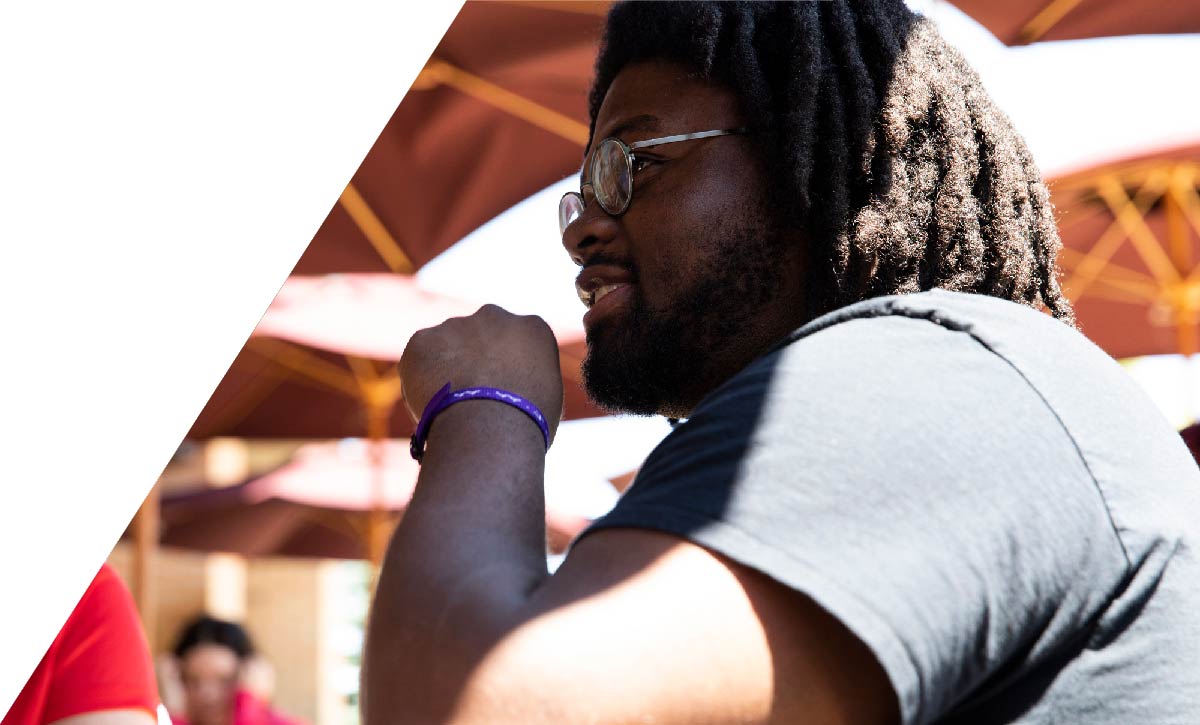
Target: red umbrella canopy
[[1017, 22], [497, 114], [316, 505], [1131, 237], [321, 363]]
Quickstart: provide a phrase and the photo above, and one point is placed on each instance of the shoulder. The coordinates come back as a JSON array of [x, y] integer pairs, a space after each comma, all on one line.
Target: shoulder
[[956, 363], [106, 604], [898, 379], [902, 462], [103, 660]]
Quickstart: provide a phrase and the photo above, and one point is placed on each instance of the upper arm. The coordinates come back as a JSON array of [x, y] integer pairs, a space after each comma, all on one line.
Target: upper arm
[[641, 626], [110, 717]]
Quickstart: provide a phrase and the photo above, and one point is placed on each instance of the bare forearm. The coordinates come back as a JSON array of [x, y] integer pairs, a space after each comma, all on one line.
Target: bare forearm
[[465, 559]]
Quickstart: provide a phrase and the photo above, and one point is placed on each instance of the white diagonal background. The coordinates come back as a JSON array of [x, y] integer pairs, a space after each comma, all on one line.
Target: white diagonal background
[[162, 167]]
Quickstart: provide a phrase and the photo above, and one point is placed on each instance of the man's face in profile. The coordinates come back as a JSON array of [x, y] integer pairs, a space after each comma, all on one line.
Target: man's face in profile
[[711, 282]]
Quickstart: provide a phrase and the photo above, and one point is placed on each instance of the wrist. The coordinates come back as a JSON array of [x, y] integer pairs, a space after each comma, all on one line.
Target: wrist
[[483, 424], [447, 397]]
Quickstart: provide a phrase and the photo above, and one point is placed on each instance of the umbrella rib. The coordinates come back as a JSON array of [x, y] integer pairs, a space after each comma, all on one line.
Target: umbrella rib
[[1177, 236], [1144, 242], [1075, 216], [363, 372], [1088, 266], [598, 9], [306, 365], [260, 386], [378, 392], [1116, 294], [1073, 259], [1189, 203], [1129, 289], [514, 104], [1087, 269], [1047, 18], [376, 232]]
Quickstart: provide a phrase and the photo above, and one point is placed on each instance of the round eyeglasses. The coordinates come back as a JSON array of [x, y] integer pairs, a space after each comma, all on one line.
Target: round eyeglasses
[[609, 173]]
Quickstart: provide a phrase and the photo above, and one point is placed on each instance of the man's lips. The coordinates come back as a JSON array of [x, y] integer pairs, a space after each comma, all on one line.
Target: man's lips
[[600, 280], [606, 299], [602, 288]]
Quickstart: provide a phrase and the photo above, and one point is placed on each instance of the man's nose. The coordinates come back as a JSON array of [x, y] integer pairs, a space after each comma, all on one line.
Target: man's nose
[[592, 229]]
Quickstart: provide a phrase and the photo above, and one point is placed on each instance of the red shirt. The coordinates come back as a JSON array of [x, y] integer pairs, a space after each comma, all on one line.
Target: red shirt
[[99, 661], [249, 710]]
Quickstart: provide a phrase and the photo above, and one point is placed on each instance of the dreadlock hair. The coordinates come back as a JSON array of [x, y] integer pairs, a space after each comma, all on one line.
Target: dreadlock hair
[[879, 138]]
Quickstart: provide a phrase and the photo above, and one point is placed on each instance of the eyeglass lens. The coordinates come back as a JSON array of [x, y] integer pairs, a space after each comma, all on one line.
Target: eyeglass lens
[[611, 177], [570, 206]]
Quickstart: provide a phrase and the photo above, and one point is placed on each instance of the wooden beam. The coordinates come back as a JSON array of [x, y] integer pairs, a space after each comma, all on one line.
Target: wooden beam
[[1178, 241], [579, 7], [1144, 242], [544, 118], [145, 535], [264, 382], [1047, 18], [377, 234], [306, 365], [1088, 268]]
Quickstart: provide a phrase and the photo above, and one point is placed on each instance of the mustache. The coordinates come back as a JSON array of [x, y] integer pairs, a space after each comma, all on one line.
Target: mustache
[[612, 260]]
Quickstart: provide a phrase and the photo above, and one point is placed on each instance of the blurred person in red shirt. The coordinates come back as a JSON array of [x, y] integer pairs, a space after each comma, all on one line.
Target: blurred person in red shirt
[[221, 681], [98, 669]]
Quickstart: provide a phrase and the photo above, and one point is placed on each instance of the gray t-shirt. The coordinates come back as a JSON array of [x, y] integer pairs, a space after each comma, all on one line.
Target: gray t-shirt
[[975, 490]]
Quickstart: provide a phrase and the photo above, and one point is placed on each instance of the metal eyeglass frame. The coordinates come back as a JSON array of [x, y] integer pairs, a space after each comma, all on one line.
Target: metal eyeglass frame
[[627, 153]]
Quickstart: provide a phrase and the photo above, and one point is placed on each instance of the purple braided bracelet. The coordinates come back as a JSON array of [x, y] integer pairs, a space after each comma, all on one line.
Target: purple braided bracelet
[[444, 398]]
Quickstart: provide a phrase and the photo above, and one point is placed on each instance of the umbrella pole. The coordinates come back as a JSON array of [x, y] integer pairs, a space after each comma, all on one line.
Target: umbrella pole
[[379, 410], [145, 532], [377, 537]]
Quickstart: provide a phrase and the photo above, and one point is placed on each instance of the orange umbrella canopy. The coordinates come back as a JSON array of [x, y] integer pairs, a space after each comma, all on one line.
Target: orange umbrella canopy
[[497, 114], [1131, 257], [1017, 22], [321, 363]]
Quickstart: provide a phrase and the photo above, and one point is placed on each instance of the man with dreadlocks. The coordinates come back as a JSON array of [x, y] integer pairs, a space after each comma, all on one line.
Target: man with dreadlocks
[[906, 489]]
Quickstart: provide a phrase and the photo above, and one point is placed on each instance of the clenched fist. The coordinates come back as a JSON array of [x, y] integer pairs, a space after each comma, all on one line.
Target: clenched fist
[[491, 347]]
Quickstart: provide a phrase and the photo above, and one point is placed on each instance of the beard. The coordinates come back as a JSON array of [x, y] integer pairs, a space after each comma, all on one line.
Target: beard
[[648, 362]]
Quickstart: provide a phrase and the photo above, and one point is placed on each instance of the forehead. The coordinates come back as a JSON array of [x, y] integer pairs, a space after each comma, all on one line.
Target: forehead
[[658, 97], [209, 658]]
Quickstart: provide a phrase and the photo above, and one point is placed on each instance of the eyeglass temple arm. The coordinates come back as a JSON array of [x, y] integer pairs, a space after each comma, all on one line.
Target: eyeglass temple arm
[[684, 137]]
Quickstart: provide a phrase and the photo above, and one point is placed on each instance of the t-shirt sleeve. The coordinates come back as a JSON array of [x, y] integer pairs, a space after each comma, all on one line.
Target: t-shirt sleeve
[[103, 660], [913, 484]]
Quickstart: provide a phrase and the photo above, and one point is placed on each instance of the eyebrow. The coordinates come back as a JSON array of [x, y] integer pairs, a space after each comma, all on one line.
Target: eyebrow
[[643, 122]]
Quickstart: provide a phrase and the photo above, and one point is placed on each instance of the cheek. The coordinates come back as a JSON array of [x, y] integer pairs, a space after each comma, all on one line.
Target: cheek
[[684, 224]]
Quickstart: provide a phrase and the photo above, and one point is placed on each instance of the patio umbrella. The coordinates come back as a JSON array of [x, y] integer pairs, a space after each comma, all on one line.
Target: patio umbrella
[[1018, 22], [497, 114], [321, 363], [493, 117], [1131, 237], [318, 504]]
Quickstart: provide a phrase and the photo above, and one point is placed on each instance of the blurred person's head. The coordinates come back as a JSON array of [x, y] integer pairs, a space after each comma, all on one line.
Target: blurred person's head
[[211, 655]]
